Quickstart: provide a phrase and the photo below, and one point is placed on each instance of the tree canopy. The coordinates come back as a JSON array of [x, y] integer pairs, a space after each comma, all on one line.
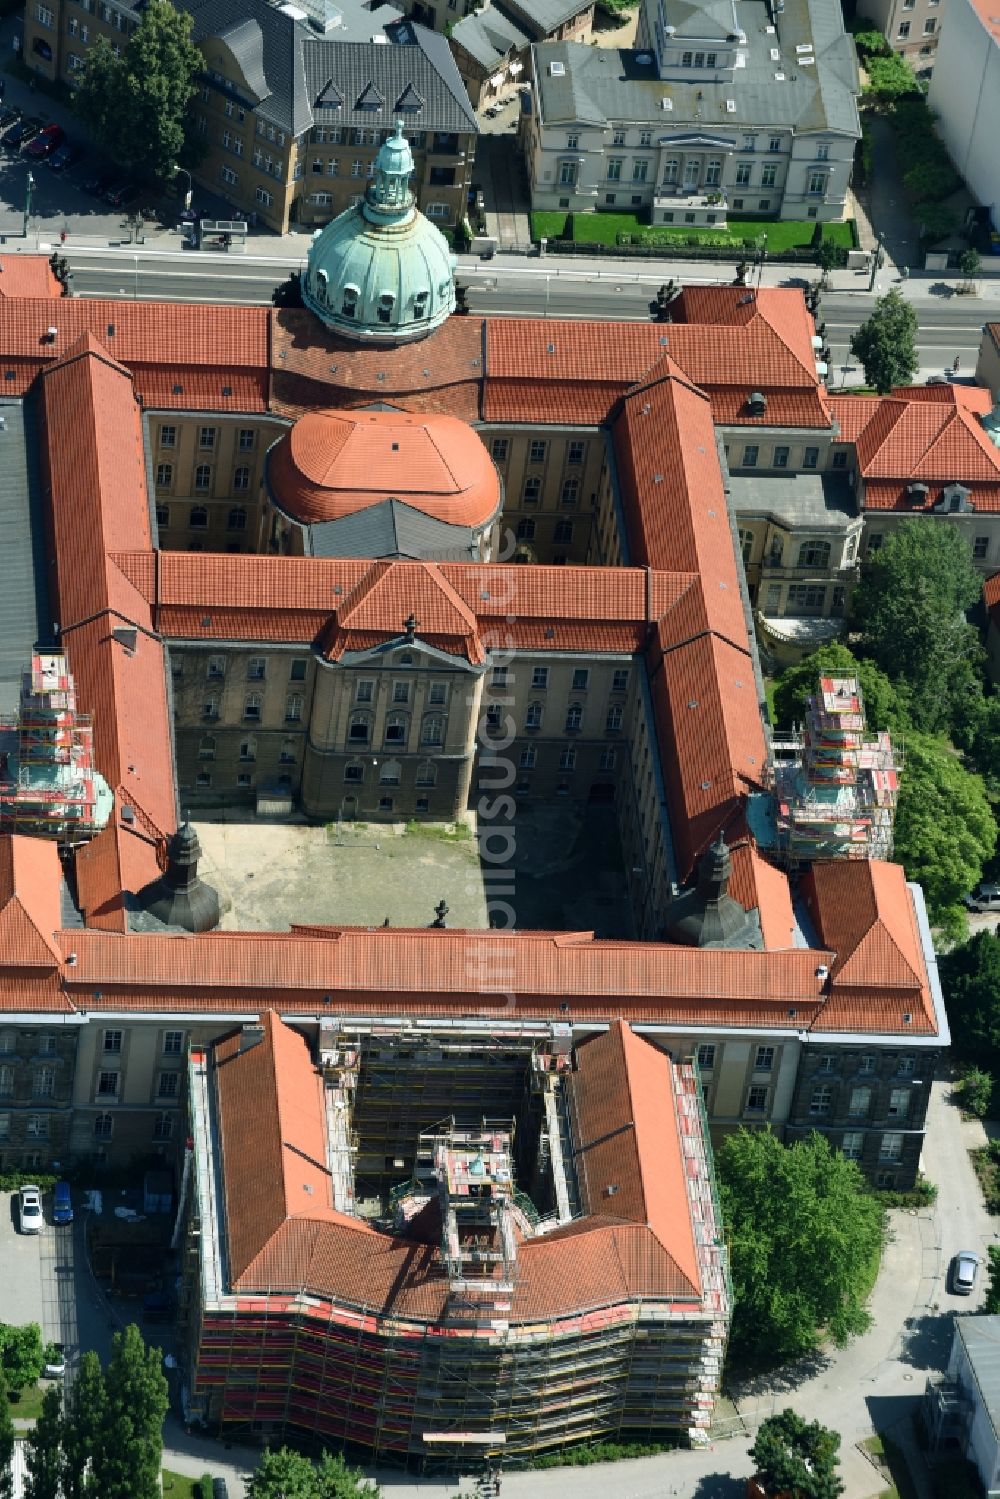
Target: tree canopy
[[945, 830], [890, 77], [804, 1237], [797, 1458], [44, 1450], [7, 1439], [887, 343], [21, 1354], [884, 703], [136, 105], [285, 1474], [970, 979], [128, 1452], [909, 610]]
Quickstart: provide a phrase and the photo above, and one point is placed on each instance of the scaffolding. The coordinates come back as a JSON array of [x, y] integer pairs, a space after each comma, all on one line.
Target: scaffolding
[[49, 786], [834, 785]]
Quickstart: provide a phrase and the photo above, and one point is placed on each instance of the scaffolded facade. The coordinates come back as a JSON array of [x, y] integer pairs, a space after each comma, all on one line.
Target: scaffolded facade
[[498, 1335], [49, 786], [835, 786]]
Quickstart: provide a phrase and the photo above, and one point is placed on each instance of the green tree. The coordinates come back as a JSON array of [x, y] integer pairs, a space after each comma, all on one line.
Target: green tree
[[44, 1450], [884, 705], [129, 1450], [283, 1475], [937, 221], [21, 1354], [976, 1091], [991, 1304], [945, 829], [797, 1458], [336, 1480], [887, 343], [930, 181], [828, 255], [7, 1440], [970, 262], [890, 78], [804, 1236], [970, 979], [909, 611], [136, 105], [83, 1421], [871, 44]]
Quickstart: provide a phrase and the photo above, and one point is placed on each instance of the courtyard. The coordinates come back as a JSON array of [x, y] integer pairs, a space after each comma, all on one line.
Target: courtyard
[[555, 867]]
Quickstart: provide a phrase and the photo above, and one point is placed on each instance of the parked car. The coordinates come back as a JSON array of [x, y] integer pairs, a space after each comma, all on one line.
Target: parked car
[[31, 1210], [62, 1203], [121, 194], [220, 1489], [20, 133], [55, 1361], [984, 898], [67, 154], [964, 1272], [45, 142]]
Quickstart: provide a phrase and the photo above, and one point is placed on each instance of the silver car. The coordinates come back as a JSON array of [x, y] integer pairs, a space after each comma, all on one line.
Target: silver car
[[31, 1210], [964, 1272]]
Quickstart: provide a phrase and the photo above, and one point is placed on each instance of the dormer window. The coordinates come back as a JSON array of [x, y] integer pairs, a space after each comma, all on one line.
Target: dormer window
[[420, 301], [349, 305], [386, 302]]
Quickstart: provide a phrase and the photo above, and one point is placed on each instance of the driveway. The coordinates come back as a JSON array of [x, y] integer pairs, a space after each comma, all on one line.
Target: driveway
[[22, 1298]]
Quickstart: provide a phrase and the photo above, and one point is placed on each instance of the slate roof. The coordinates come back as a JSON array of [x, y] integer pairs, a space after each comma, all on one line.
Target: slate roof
[[387, 530], [490, 35], [25, 615], [294, 72], [601, 84]]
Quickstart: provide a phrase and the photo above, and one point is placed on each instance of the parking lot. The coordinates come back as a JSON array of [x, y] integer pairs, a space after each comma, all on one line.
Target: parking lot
[[39, 1275]]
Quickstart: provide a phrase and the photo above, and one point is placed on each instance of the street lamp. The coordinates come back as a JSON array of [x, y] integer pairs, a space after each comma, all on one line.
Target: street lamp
[[190, 187], [29, 188]]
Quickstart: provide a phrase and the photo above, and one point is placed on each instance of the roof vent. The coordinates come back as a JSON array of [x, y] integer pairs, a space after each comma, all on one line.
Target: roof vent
[[52, 334], [71, 960], [822, 972], [550, 348], [557, 70], [757, 403], [111, 330], [779, 77], [611, 1189], [807, 62], [775, 54], [666, 103], [731, 106], [126, 637]]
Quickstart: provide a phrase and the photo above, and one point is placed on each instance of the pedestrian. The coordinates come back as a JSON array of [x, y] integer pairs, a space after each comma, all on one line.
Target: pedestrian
[[62, 236], [955, 367], [904, 273]]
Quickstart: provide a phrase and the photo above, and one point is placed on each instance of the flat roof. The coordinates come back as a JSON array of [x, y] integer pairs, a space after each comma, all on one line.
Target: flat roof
[[821, 500], [25, 617]]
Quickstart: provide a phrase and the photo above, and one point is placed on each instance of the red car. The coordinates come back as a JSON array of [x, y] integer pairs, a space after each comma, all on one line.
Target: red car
[[45, 142]]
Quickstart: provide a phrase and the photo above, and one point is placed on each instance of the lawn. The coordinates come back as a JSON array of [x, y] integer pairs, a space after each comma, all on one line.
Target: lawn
[[179, 1486], [604, 229], [29, 1407]]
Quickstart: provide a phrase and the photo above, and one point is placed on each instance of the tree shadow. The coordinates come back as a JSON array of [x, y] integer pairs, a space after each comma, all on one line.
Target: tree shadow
[[941, 289], [719, 1486], [745, 1381], [926, 1340]]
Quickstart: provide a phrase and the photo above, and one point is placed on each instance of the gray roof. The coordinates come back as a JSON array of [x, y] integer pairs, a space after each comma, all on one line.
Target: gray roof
[[490, 35], [981, 1336], [392, 529], [24, 609], [822, 500], [601, 84], [297, 74]]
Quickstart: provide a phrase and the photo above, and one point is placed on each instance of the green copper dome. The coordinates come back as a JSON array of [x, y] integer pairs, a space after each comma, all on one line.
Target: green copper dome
[[381, 272]]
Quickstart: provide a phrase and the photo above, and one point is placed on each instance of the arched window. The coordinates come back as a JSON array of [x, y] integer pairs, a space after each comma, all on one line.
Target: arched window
[[241, 477], [814, 554], [206, 749], [288, 749], [203, 476], [293, 707], [252, 704], [613, 722], [359, 728], [164, 475], [427, 773], [248, 749], [349, 305], [433, 729], [395, 728], [574, 718], [354, 771], [236, 520], [198, 518], [389, 773], [533, 717], [104, 1126]]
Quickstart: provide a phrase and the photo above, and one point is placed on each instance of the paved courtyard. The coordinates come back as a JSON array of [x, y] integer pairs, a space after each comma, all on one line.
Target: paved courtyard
[[555, 867]]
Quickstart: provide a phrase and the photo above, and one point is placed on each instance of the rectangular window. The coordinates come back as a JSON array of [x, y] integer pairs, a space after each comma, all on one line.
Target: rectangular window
[[930, 27], [499, 448], [527, 758], [852, 1144], [806, 598], [639, 170], [899, 1103], [750, 455], [173, 1043], [768, 174], [536, 451], [576, 453], [764, 1059], [819, 1103], [817, 183], [539, 678], [781, 457], [619, 680], [615, 164], [706, 1057], [810, 458], [256, 668], [904, 30], [112, 1043], [107, 1084], [532, 491], [860, 1102], [163, 1126], [609, 758], [364, 692], [38, 1127], [581, 679], [891, 1147], [744, 170], [206, 437], [168, 437], [168, 1085], [906, 1066], [43, 1084], [570, 492], [980, 547], [567, 758], [866, 1062], [826, 1063], [756, 1100], [437, 697]]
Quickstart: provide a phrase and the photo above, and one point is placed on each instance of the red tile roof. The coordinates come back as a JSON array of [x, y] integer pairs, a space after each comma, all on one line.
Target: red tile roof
[[334, 463], [756, 883], [300, 346], [30, 916], [139, 333], [927, 434], [27, 276]]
